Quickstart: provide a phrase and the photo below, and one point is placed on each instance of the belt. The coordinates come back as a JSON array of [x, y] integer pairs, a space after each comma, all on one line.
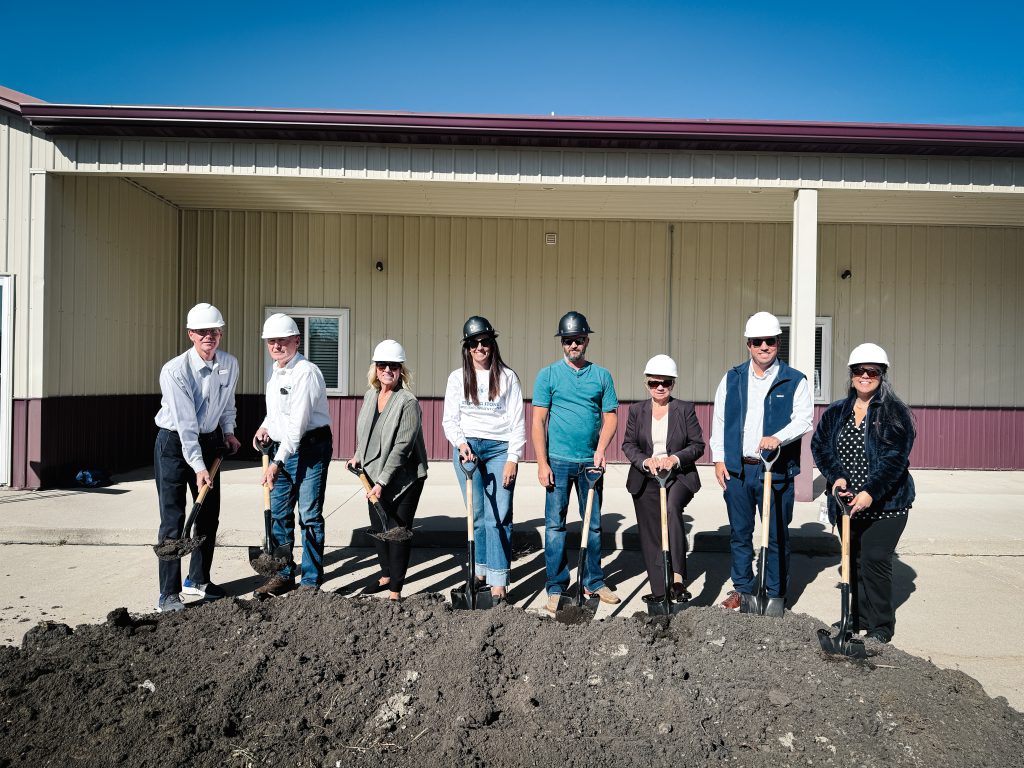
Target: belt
[[204, 437], [318, 435], [748, 460]]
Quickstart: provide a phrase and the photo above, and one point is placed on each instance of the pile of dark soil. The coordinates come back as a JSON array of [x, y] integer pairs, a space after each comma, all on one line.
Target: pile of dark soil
[[321, 680]]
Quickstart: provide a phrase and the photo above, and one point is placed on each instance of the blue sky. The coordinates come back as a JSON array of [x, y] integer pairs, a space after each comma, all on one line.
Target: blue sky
[[864, 62]]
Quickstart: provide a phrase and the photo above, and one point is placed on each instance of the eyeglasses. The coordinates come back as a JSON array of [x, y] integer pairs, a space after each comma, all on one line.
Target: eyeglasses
[[771, 341], [204, 332], [579, 341], [656, 383], [871, 373], [486, 342], [387, 366], [281, 342]]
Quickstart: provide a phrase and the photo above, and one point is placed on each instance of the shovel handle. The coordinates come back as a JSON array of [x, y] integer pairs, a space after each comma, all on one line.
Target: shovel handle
[[361, 474], [664, 520], [469, 501], [266, 488], [201, 497]]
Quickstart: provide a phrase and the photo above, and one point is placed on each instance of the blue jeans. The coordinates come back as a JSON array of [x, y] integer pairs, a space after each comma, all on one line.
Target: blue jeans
[[492, 509], [305, 485], [743, 497], [569, 474]]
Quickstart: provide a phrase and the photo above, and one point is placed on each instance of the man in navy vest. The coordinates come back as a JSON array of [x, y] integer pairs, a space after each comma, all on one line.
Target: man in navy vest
[[760, 405]]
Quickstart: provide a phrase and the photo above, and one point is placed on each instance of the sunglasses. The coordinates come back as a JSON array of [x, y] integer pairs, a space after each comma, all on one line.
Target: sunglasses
[[871, 373], [579, 341], [771, 341], [204, 332], [389, 366], [486, 342], [656, 383]]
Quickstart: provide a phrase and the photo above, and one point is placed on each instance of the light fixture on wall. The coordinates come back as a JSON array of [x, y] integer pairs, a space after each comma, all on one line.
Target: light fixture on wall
[[845, 274], [379, 266]]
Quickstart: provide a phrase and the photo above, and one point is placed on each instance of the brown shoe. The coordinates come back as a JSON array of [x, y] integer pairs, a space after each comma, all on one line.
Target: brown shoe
[[606, 595], [275, 586], [552, 604], [732, 600]]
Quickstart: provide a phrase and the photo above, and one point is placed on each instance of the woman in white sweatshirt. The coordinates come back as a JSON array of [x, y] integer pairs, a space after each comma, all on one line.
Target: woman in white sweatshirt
[[483, 418]]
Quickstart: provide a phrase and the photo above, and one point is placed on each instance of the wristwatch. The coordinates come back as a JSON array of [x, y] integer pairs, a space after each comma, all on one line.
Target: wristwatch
[[280, 464]]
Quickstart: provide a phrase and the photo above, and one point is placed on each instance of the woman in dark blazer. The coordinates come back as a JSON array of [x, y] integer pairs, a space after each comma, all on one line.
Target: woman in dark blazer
[[662, 433]]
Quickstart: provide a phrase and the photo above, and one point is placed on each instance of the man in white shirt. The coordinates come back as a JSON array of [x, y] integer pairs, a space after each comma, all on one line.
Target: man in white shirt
[[297, 427], [196, 421], [761, 404]]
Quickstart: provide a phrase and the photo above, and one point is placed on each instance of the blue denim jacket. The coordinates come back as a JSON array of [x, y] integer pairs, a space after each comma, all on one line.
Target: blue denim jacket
[[889, 481]]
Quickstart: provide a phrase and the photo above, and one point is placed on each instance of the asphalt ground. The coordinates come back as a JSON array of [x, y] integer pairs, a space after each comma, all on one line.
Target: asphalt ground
[[73, 555]]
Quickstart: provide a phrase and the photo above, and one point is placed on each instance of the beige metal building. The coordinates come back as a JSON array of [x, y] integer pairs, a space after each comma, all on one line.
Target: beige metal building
[[667, 234]]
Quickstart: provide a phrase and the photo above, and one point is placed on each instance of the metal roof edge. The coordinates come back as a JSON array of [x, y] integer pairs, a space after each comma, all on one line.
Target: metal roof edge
[[803, 136], [12, 101]]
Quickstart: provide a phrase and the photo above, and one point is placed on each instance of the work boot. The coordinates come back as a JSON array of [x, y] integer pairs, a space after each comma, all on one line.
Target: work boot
[[552, 604], [606, 595], [275, 586], [732, 600]]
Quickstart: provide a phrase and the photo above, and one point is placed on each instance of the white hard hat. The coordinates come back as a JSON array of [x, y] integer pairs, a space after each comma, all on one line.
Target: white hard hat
[[204, 316], [389, 351], [279, 326], [762, 324], [661, 365], [868, 353]]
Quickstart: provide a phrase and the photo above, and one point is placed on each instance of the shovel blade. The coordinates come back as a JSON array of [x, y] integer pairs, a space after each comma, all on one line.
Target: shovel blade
[[665, 609], [464, 599], [175, 549], [852, 647], [776, 607], [751, 604], [577, 614]]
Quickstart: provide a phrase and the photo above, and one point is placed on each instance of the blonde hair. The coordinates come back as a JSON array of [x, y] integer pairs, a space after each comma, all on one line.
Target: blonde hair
[[405, 377]]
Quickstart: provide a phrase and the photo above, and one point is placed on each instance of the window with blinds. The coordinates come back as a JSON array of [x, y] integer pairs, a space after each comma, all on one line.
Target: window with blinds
[[323, 334], [822, 383]]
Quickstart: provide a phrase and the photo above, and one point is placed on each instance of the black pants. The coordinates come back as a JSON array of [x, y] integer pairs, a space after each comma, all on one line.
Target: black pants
[[648, 520], [394, 555], [173, 474], [872, 545]]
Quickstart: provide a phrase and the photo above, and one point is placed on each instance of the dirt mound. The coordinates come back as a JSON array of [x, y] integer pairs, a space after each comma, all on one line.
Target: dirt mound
[[324, 680]]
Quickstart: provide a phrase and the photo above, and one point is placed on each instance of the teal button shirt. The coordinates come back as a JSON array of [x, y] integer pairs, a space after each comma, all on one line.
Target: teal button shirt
[[575, 400]]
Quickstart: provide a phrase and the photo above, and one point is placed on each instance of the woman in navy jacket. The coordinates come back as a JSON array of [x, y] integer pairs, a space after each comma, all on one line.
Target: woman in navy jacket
[[662, 433], [862, 447]]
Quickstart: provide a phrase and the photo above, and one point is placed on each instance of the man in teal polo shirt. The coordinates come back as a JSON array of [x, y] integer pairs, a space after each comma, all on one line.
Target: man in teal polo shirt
[[574, 420]]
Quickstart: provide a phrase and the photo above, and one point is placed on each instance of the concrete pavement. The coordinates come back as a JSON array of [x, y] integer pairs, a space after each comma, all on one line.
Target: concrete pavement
[[73, 555]]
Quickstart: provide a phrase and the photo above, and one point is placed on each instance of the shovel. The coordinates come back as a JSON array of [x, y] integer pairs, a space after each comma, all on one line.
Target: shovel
[[388, 534], [844, 643], [175, 549], [761, 603], [271, 559], [667, 607], [467, 597], [583, 608]]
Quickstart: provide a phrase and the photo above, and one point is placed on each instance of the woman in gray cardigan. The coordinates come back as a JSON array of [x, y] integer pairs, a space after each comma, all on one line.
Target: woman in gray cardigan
[[390, 448]]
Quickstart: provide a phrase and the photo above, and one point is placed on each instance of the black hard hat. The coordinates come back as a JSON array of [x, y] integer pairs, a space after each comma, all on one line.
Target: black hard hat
[[477, 325], [573, 324]]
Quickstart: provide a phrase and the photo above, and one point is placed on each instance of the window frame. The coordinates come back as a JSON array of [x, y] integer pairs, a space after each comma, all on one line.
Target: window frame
[[342, 314], [825, 385]]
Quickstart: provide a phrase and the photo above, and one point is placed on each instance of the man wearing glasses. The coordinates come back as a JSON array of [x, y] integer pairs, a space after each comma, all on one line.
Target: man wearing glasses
[[761, 404], [196, 421], [574, 419], [297, 434]]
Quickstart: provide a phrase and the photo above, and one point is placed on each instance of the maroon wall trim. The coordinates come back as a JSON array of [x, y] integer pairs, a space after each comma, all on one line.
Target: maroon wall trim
[[53, 438]]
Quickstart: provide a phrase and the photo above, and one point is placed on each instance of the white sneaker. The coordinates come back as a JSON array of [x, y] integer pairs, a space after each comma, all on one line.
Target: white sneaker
[[169, 604], [191, 588]]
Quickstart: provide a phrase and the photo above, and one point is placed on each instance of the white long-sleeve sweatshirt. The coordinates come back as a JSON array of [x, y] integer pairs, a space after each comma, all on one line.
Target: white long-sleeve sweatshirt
[[502, 419]]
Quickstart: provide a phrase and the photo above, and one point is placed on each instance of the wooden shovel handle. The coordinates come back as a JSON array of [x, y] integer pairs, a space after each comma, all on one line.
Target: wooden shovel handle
[[213, 476]]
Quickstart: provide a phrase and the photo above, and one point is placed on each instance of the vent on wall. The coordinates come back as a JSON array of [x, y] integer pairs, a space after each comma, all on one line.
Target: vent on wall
[[550, 238]]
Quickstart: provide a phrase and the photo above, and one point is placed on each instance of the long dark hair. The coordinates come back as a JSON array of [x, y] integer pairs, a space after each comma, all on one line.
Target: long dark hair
[[893, 417], [469, 373]]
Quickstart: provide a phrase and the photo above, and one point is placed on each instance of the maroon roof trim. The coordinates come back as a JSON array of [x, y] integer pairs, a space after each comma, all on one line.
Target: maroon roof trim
[[11, 100], [512, 130]]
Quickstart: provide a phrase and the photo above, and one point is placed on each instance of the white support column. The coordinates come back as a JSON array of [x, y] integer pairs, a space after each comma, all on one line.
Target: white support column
[[804, 310]]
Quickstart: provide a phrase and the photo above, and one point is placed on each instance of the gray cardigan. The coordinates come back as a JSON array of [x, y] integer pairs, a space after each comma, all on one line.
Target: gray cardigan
[[394, 455]]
